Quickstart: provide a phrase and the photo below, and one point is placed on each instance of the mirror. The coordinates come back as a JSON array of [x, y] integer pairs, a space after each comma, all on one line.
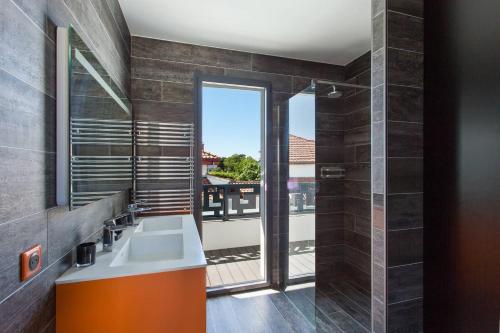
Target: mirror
[[100, 125]]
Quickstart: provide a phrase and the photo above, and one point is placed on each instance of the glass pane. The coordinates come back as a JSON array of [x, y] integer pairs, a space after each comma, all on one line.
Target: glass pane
[[100, 129], [301, 184]]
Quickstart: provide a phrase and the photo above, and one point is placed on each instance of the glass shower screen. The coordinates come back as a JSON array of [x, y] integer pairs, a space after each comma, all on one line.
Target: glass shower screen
[[301, 185]]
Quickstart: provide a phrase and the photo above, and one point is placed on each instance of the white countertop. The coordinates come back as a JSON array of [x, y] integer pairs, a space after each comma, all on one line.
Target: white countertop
[[185, 246]]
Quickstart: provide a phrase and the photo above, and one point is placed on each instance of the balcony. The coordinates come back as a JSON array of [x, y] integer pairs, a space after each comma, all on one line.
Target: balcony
[[232, 232]]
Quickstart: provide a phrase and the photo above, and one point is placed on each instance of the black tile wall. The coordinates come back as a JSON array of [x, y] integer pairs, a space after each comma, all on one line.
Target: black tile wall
[[397, 125], [343, 205], [27, 132]]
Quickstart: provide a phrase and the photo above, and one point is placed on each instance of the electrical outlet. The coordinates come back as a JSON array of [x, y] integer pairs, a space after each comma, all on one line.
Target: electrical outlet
[[31, 262]]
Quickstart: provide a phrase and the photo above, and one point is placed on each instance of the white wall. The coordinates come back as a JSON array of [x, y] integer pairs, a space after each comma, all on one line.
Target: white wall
[[246, 232], [301, 170]]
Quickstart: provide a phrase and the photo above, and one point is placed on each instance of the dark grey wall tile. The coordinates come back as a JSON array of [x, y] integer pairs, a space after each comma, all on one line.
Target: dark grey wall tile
[[329, 122], [27, 185], [19, 315], [404, 175], [404, 283], [404, 211], [15, 237], [36, 10], [404, 247], [405, 68], [329, 187], [360, 242], [410, 7], [357, 188], [405, 317], [28, 116], [83, 17], [37, 69], [363, 225], [359, 101], [329, 204], [333, 139], [329, 155], [358, 171], [357, 206], [278, 65], [406, 32], [163, 111], [169, 71], [187, 53], [160, 49], [146, 89], [109, 24], [119, 18], [329, 105], [358, 259], [329, 237], [221, 58], [280, 83], [405, 104], [27, 79], [69, 228], [329, 221], [177, 92], [358, 136], [405, 139], [358, 66], [359, 118]]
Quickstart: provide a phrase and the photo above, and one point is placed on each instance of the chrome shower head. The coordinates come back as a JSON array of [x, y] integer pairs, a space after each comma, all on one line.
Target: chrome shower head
[[334, 93]]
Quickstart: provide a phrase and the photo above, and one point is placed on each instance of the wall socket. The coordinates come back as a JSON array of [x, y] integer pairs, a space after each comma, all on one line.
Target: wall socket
[[31, 262]]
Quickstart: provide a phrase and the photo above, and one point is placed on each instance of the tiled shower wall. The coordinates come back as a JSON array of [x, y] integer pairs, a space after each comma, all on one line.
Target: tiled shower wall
[[27, 147], [397, 127], [357, 182], [343, 215], [163, 90]]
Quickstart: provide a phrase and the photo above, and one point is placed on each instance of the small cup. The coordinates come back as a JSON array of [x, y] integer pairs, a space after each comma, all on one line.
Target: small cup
[[85, 254]]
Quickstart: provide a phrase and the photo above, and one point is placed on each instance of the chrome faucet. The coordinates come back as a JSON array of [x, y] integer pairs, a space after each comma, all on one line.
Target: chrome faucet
[[111, 233], [133, 209]]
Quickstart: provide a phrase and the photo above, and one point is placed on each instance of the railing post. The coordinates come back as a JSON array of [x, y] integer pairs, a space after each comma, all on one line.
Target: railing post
[[225, 204]]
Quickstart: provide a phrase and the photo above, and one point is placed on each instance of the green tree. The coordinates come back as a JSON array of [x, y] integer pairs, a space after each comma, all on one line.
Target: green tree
[[238, 167]]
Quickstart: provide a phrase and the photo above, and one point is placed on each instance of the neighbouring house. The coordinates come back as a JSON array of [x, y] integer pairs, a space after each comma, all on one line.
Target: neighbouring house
[[302, 157], [209, 162]]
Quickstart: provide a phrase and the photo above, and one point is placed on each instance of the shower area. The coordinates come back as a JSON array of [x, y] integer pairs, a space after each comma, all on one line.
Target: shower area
[[325, 243]]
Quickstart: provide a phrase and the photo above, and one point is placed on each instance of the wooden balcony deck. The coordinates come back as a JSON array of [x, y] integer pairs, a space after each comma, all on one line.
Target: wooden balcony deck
[[242, 264]]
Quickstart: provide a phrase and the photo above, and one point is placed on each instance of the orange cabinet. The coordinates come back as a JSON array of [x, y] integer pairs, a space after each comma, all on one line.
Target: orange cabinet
[[151, 303]]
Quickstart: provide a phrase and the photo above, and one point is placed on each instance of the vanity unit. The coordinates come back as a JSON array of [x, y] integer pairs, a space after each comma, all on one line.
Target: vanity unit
[[152, 281]]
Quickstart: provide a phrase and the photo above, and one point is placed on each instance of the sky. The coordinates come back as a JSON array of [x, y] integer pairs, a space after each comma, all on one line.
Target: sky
[[231, 120], [301, 116]]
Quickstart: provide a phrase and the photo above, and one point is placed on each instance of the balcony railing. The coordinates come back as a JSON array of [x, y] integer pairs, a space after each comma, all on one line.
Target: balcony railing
[[229, 201]]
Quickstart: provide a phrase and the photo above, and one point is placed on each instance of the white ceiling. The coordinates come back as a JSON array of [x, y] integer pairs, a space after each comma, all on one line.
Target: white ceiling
[[330, 31]]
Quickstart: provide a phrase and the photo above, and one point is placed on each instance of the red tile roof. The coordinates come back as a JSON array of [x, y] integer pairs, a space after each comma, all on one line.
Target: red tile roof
[[302, 151], [208, 155]]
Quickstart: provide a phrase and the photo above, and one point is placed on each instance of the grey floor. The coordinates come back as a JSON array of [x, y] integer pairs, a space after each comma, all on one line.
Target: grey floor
[[301, 308], [242, 264]]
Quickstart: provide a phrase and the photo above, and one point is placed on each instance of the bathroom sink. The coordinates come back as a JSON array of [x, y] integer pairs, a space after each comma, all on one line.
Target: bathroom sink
[[160, 223], [150, 248]]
